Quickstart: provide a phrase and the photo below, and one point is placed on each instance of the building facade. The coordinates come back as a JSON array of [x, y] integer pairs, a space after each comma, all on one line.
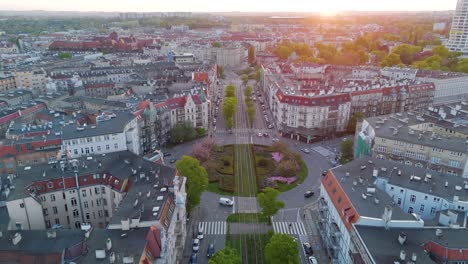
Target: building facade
[[458, 38]]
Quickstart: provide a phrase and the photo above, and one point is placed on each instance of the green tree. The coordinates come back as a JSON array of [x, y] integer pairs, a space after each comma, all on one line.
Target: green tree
[[216, 44], [462, 65], [352, 122], [441, 51], [248, 91], [220, 72], [406, 52], [197, 179], [251, 114], [64, 55], [282, 249], [378, 55], [229, 109], [182, 132], [283, 52], [268, 202], [327, 52], [245, 78], [251, 54], [390, 60], [230, 91], [430, 63], [226, 256], [346, 151]]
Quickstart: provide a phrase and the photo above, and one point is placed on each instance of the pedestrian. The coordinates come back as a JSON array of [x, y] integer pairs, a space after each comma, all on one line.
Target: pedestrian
[[290, 225], [304, 215]]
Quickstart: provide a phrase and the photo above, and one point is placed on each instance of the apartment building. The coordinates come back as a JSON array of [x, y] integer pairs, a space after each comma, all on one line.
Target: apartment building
[[35, 80], [121, 192], [436, 139], [370, 202], [458, 38], [303, 117], [113, 132], [192, 108], [7, 82], [16, 97], [101, 90], [229, 56]]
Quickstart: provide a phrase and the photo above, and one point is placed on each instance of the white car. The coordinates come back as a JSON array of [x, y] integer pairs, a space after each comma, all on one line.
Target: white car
[[196, 245], [312, 260], [200, 232], [260, 134]]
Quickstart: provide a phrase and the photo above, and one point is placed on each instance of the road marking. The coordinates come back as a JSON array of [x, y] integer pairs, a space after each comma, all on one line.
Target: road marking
[[291, 228], [214, 227]]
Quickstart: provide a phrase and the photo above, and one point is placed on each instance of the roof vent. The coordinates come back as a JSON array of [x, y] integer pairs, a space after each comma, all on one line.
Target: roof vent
[[112, 258], [135, 203], [414, 257], [458, 187], [375, 173], [402, 255], [108, 244], [159, 198], [16, 239], [364, 196], [363, 167], [100, 254], [446, 184], [51, 234], [438, 232], [376, 200]]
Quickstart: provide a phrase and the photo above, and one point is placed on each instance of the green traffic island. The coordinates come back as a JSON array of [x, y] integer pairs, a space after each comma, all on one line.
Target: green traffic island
[[247, 218], [253, 244]]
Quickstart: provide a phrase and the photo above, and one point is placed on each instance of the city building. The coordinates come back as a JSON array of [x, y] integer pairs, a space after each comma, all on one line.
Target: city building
[[35, 80], [458, 37], [435, 139], [369, 203], [7, 82], [193, 109], [113, 132]]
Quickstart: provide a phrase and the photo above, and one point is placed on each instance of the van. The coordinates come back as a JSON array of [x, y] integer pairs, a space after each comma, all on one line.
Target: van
[[226, 201]]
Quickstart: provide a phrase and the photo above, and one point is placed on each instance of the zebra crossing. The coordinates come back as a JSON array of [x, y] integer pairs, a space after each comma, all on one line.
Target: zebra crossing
[[214, 227], [290, 228]]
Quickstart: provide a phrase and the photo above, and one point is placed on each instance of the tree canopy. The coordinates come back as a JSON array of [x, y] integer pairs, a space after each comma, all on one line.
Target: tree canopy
[[268, 201], [282, 249], [346, 151], [182, 132], [226, 256], [197, 179], [353, 120]]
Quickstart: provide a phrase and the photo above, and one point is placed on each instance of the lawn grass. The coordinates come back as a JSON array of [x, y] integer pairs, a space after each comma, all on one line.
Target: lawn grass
[[247, 218], [249, 186], [254, 241], [214, 188]]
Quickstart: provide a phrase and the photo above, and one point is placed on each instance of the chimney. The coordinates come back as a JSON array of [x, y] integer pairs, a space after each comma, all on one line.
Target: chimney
[[414, 257], [108, 244], [438, 232], [375, 172], [402, 238], [402, 255], [112, 258], [16, 239], [387, 216]]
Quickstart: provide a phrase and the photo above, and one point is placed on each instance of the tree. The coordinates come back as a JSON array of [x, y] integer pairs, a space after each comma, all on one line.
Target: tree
[[352, 122], [202, 150], [64, 55], [182, 132], [248, 91], [282, 249], [441, 50], [288, 168], [346, 151], [283, 52], [226, 256], [462, 65], [216, 45], [229, 109], [391, 60], [220, 72], [406, 52], [268, 202], [251, 114], [251, 55], [197, 179], [230, 91], [245, 78]]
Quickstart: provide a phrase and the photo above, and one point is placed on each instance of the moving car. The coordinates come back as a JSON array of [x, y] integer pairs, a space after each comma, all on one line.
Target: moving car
[[275, 139], [305, 150], [172, 160], [196, 245], [309, 194], [324, 173], [308, 249], [210, 251], [167, 154], [312, 260], [226, 201]]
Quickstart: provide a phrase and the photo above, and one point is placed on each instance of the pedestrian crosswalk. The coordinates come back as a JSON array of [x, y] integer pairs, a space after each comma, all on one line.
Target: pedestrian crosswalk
[[291, 228], [214, 227]]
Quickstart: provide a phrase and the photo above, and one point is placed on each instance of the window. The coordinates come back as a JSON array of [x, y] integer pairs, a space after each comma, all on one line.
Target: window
[[421, 209], [85, 204], [52, 197], [433, 210], [45, 212], [454, 163], [75, 213], [98, 202], [98, 148], [435, 160], [66, 208], [57, 221], [103, 190], [77, 224], [54, 209], [75, 151], [96, 190], [106, 137], [87, 216], [399, 201], [413, 198], [391, 188], [116, 145], [47, 222], [436, 199], [89, 140], [401, 190], [410, 210], [107, 147], [83, 193], [73, 201]]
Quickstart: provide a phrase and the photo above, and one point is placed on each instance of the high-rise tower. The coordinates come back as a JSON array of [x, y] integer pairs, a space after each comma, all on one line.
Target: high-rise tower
[[458, 38]]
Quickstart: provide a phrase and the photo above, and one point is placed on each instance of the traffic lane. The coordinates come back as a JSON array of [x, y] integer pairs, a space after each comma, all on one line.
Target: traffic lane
[[211, 209], [218, 241]]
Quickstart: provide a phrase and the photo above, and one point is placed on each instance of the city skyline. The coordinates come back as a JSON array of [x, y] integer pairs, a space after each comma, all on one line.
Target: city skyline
[[329, 7]]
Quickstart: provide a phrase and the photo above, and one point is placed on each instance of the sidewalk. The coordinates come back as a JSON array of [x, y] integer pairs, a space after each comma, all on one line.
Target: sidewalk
[[313, 234]]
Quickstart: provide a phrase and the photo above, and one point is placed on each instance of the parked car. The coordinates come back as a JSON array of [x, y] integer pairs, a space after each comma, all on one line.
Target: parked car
[[167, 154], [196, 245], [324, 173], [312, 260], [309, 194], [172, 160], [266, 135], [305, 150], [200, 232], [210, 251], [308, 249], [260, 134], [270, 126], [193, 259], [275, 139]]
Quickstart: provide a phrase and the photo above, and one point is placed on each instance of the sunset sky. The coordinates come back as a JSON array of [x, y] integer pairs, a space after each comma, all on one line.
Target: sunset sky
[[223, 5]]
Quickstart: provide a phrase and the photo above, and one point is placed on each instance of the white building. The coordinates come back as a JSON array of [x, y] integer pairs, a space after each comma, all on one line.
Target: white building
[[113, 132], [193, 109], [458, 38]]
